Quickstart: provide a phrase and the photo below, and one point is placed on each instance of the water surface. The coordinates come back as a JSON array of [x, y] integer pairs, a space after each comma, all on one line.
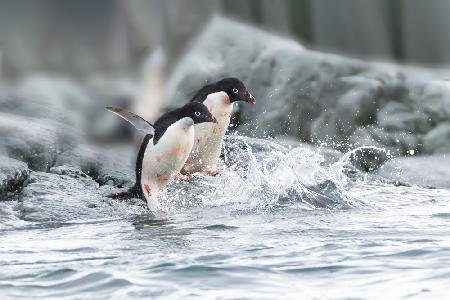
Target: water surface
[[280, 222]]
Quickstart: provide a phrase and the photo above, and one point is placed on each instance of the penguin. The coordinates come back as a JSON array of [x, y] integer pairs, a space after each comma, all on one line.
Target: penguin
[[165, 148], [218, 98]]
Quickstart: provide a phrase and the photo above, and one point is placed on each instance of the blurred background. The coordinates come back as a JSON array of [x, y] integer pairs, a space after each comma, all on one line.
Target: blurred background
[[83, 37], [329, 171], [330, 73]]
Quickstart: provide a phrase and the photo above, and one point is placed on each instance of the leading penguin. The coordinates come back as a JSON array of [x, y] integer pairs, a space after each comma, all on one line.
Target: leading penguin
[[165, 148], [218, 98]]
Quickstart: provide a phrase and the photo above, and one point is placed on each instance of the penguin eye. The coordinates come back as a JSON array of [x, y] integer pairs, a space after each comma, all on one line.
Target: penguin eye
[[235, 90], [197, 113]]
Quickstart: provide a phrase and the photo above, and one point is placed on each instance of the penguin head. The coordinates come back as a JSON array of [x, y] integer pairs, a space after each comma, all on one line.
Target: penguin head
[[198, 112], [235, 90]]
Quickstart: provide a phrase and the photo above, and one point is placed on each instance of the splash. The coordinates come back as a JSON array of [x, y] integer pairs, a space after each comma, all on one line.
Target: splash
[[267, 174], [259, 175]]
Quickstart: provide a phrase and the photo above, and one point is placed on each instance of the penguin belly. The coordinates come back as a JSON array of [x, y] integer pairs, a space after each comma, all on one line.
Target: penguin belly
[[162, 162], [209, 137]]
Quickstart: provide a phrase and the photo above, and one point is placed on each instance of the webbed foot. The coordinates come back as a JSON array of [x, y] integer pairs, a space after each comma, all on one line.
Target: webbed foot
[[183, 177], [212, 172]]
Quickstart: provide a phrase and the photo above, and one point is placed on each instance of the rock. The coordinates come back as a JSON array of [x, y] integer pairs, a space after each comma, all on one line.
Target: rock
[[438, 139], [394, 143], [433, 100], [44, 122], [396, 116], [429, 171], [12, 175], [106, 165], [355, 108], [315, 96], [35, 141], [50, 197], [68, 171], [50, 97], [369, 158], [74, 104]]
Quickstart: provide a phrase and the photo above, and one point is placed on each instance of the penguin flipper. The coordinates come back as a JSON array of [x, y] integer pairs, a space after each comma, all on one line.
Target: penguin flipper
[[138, 122]]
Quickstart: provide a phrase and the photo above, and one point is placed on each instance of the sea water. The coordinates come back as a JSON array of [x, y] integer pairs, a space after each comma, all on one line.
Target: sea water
[[280, 222]]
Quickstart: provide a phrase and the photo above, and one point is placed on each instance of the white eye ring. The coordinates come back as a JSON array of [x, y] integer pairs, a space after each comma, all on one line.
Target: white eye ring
[[235, 90], [197, 113]]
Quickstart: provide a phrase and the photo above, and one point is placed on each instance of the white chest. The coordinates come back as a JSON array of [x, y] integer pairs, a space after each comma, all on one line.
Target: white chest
[[209, 136], [161, 162]]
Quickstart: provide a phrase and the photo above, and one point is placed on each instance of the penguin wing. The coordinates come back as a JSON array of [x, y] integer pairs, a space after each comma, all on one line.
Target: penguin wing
[[138, 122]]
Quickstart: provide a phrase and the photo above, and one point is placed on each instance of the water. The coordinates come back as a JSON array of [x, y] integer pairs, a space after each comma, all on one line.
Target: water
[[284, 222]]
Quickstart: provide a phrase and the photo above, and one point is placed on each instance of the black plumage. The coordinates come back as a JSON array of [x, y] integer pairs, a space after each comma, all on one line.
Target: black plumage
[[234, 88], [198, 112]]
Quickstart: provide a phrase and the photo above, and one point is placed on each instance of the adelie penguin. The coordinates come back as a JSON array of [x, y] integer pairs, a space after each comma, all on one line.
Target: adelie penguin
[[218, 98], [165, 148]]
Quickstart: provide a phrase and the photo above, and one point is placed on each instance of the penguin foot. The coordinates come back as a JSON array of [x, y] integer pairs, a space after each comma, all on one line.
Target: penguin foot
[[212, 172], [183, 177]]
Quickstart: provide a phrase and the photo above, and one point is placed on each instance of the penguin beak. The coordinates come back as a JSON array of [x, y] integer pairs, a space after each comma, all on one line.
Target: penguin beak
[[213, 120], [251, 99]]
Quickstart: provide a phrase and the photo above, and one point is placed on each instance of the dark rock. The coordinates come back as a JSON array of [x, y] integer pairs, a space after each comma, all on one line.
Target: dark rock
[[13, 173], [35, 141], [106, 165]]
